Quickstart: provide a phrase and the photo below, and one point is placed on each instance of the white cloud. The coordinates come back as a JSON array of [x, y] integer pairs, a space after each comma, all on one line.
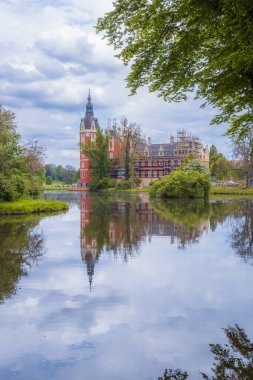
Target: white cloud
[[51, 56]]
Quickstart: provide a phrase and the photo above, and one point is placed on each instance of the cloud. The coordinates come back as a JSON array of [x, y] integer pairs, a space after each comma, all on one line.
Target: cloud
[[51, 56]]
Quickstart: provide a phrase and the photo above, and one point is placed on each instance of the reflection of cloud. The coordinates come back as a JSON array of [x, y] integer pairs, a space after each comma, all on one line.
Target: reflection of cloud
[[159, 310]]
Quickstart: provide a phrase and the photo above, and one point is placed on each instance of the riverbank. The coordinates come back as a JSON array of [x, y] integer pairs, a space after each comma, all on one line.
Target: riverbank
[[219, 190], [31, 206]]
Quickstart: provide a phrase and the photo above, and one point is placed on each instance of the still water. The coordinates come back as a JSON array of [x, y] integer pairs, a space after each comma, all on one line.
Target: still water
[[121, 288]]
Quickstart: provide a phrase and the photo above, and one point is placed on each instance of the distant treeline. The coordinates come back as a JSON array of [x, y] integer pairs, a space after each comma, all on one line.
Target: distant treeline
[[67, 174]]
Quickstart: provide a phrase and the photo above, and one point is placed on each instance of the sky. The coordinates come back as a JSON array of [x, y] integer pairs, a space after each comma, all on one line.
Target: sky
[[51, 56]]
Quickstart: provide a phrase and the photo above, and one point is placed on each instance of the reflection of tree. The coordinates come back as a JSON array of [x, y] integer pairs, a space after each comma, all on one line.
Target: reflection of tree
[[118, 224], [222, 210], [234, 361], [190, 218], [238, 216], [242, 232], [21, 246]]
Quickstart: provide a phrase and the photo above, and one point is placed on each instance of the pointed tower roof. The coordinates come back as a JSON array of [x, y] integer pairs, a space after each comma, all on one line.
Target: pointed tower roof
[[89, 107], [89, 121]]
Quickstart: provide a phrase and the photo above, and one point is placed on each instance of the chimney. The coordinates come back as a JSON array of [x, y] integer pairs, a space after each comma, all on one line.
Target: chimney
[[172, 139], [149, 141]]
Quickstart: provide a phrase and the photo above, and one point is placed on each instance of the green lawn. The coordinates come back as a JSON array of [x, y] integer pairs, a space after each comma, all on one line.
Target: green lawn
[[231, 190], [30, 206]]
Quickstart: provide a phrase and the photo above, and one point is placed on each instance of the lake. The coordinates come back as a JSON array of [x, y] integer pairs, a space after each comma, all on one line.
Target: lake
[[121, 288]]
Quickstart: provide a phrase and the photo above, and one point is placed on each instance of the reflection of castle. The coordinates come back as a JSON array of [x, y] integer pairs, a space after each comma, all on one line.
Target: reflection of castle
[[88, 245], [120, 226]]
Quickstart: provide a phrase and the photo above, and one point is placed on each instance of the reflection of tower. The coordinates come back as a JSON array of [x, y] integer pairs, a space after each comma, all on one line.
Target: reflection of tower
[[89, 249], [88, 130]]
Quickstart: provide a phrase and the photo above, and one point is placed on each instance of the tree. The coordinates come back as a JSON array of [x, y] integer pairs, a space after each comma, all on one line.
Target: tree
[[34, 157], [213, 151], [69, 174], [99, 162], [179, 46], [197, 166], [21, 167], [49, 180], [243, 150], [50, 171], [221, 167], [130, 138]]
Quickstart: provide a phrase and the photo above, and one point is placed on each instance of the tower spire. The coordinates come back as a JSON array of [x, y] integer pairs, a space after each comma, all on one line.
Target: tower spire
[[89, 107]]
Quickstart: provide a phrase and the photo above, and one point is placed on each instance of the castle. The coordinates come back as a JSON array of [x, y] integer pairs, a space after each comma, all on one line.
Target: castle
[[154, 160]]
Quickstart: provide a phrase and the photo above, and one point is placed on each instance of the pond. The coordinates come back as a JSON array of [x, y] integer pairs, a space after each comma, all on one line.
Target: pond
[[121, 288]]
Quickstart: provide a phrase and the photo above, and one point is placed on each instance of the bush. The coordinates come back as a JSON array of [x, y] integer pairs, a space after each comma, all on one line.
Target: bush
[[100, 184], [49, 180], [128, 184], [180, 184]]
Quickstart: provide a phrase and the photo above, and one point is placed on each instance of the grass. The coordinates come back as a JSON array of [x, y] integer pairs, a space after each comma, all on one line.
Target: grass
[[31, 206], [231, 190]]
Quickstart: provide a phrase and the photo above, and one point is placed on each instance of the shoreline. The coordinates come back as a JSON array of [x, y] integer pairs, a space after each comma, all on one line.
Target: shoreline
[[31, 206]]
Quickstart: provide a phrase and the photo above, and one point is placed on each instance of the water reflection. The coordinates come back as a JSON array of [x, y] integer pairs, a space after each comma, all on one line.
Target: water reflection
[[120, 225], [22, 245], [166, 280], [234, 360]]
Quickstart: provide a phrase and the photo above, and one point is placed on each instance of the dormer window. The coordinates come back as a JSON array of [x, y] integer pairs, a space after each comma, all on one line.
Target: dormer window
[[146, 152], [161, 151]]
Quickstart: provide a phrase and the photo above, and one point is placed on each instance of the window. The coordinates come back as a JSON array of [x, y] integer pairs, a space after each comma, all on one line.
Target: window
[[149, 163], [82, 137], [160, 173], [93, 137], [155, 173], [143, 174], [83, 174], [142, 163], [83, 165], [160, 163], [149, 173], [154, 163]]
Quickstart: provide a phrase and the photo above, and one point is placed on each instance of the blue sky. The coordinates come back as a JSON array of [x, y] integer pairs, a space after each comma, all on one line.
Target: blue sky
[[51, 56]]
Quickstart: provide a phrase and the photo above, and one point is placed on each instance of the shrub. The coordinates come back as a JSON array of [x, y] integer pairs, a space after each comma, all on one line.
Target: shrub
[[49, 180], [181, 184], [128, 184], [100, 184]]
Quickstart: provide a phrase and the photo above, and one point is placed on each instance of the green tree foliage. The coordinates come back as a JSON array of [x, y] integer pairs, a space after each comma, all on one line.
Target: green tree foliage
[[49, 180], [99, 162], [197, 166], [180, 184], [178, 46], [68, 174], [212, 152], [221, 167], [21, 169]]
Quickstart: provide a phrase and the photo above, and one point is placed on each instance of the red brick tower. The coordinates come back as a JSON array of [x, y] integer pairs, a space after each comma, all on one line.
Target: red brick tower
[[88, 130]]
